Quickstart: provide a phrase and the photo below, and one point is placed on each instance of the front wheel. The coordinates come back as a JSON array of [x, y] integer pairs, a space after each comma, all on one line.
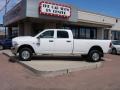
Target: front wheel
[[95, 55], [25, 54]]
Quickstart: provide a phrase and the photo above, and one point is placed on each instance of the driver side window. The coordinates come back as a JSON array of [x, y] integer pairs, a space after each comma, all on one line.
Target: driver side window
[[47, 34]]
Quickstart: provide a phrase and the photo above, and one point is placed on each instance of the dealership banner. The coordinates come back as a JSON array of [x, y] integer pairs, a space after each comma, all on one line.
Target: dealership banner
[[53, 9]]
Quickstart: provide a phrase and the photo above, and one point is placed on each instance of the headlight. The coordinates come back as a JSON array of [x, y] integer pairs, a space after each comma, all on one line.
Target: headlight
[[14, 43]]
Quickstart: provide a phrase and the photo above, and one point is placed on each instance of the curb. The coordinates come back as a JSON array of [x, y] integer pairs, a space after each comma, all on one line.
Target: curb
[[11, 58], [54, 73], [45, 73], [61, 72], [6, 54]]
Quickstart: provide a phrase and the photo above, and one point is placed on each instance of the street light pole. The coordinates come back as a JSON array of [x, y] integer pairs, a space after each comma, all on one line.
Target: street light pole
[[5, 14]]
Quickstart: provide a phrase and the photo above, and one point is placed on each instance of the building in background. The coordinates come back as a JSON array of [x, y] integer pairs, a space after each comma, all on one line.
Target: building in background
[[2, 33], [32, 16]]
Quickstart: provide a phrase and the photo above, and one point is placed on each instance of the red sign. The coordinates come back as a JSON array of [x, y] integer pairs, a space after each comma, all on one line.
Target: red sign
[[53, 9]]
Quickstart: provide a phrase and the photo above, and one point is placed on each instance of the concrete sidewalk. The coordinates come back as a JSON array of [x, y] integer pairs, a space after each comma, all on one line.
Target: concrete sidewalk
[[7, 52], [48, 67], [58, 67]]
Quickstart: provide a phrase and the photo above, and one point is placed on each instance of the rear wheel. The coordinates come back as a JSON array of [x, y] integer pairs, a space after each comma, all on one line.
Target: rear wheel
[[95, 55], [25, 54], [114, 51]]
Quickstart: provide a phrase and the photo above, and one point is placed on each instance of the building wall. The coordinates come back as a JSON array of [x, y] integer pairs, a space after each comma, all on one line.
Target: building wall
[[16, 14], [116, 26], [32, 10], [26, 13], [95, 18]]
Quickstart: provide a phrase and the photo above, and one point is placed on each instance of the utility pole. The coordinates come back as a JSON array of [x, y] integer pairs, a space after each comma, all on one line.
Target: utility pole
[[5, 14]]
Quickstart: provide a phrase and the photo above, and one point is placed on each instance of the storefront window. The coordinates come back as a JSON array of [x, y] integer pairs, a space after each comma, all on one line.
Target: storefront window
[[75, 32], [87, 33], [115, 35], [80, 32], [93, 33], [106, 34]]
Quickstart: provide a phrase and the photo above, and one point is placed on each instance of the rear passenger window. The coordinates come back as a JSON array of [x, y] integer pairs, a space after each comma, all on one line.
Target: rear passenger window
[[62, 34]]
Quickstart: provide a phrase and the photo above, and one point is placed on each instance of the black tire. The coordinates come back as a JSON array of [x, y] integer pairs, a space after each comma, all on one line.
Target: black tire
[[84, 56], [114, 51], [1, 47], [25, 54], [95, 55]]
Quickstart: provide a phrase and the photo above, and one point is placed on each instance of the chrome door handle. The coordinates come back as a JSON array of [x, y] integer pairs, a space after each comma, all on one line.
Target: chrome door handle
[[51, 41], [68, 41]]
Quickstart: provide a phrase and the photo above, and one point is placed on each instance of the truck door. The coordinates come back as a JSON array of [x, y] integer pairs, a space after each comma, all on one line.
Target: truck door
[[46, 42], [63, 43]]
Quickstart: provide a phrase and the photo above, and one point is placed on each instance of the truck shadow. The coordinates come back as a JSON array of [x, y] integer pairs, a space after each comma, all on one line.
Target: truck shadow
[[62, 58], [55, 58]]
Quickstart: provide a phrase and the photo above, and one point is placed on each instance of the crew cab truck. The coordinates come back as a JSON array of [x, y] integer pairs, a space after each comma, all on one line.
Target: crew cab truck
[[58, 42]]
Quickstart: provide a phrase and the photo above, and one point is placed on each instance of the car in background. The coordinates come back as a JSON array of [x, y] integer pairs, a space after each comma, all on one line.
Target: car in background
[[6, 43], [115, 47]]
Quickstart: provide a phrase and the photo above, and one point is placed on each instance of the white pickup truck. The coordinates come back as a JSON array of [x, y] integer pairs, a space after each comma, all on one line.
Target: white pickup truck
[[59, 42]]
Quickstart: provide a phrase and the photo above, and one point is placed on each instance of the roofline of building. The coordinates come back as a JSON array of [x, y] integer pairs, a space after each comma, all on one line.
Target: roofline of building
[[98, 13], [78, 10], [12, 8]]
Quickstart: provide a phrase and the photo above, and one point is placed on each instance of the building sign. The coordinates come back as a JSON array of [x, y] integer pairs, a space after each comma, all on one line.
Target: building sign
[[52, 9]]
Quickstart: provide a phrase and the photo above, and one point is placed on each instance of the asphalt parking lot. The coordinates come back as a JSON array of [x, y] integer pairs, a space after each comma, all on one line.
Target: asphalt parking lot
[[13, 76]]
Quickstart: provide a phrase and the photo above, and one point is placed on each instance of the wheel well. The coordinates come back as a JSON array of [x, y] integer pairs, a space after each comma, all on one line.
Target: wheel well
[[114, 48], [26, 46], [97, 48]]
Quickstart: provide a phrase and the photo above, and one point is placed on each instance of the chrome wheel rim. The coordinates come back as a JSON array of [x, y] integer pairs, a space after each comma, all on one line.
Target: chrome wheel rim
[[25, 55], [95, 56]]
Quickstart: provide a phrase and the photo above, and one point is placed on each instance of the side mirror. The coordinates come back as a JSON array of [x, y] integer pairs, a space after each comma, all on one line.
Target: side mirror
[[41, 36], [38, 40], [38, 37]]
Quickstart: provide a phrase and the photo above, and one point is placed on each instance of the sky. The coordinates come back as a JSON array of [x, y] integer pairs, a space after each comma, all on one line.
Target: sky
[[10, 5], [106, 7]]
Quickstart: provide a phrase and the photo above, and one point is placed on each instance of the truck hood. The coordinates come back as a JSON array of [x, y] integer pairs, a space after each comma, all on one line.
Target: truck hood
[[23, 38]]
